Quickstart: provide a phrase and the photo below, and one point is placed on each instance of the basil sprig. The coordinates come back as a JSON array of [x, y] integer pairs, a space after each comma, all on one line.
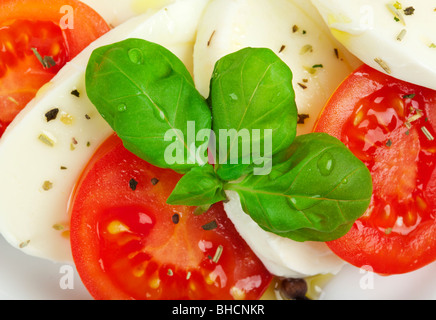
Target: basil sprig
[[306, 188]]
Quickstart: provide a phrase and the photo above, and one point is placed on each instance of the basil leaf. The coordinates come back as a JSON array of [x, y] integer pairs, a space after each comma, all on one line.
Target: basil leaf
[[315, 195], [148, 97], [254, 111], [198, 187]]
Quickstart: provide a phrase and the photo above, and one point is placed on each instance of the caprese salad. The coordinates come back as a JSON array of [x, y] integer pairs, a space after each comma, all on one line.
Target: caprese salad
[[107, 159]]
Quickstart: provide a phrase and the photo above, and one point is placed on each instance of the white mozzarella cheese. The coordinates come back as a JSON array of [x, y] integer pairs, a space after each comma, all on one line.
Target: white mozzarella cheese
[[116, 12], [291, 28], [40, 160], [394, 37], [281, 256]]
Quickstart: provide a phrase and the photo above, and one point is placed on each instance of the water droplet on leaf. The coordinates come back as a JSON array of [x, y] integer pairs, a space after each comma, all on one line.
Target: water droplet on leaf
[[135, 55], [122, 107], [326, 164], [160, 115]]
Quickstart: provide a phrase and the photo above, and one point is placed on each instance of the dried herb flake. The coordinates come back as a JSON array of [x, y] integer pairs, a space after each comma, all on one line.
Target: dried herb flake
[[47, 185], [218, 253], [409, 96], [389, 143], [210, 226], [24, 244], [46, 140], [47, 62], [409, 11], [302, 118]]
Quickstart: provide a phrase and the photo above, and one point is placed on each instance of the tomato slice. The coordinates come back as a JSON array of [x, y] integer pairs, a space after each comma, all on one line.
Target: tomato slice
[[391, 126], [127, 243], [58, 29]]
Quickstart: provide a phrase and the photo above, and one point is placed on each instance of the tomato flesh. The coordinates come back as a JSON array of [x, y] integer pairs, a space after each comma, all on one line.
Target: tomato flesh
[[19, 64], [128, 243], [30, 28], [389, 125]]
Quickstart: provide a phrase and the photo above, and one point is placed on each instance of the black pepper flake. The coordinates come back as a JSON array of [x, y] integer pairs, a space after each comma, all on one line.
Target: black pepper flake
[[133, 184], [63, 168], [302, 118], [87, 117], [154, 181], [409, 11], [294, 289], [282, 48], [295, 28], [175, 218], [75, 93], [336, 53], [210, 226], [52, 114], [302, 85]]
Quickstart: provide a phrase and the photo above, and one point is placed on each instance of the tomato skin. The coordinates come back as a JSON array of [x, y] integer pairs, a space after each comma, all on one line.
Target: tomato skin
[[127, 243], [375, 108], [58, 29]]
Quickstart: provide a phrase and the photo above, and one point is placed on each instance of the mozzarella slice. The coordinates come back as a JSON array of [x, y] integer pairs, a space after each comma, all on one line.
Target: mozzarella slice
[[281, 256], [291, 28], [116, 12], [394, 37], [41, 159], [295, 31]]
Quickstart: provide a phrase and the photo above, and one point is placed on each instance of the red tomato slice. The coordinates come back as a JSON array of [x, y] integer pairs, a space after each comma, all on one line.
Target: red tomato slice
[[391, 126], [128, 243], [58, 29]]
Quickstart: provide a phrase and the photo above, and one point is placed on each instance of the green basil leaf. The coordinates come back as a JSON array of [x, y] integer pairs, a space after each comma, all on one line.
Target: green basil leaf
[[148, 97], [315, 195], [200, 186], [254, 110]]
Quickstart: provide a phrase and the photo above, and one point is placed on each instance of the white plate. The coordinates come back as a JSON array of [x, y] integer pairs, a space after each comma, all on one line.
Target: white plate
[[356, 284], [23, 277]]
